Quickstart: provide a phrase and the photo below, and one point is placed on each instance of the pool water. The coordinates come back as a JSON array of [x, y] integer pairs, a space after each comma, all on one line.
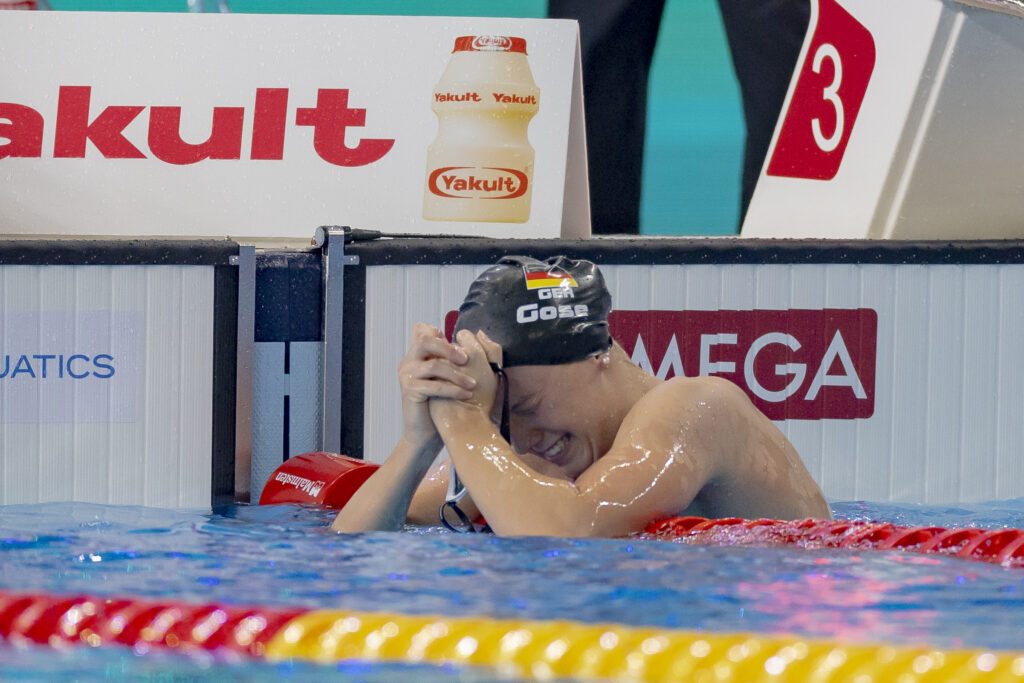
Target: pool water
[[286, 556]]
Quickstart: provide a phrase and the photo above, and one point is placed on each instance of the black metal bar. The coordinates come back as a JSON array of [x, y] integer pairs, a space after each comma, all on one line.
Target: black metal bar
[[332, 240], [116, 252], [354, 362], [225, 338], [245, 362], [683, 251]]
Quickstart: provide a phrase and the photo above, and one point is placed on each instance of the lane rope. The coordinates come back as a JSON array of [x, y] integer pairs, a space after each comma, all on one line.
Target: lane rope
[[524, 648], [330, 480], [1000, 546]]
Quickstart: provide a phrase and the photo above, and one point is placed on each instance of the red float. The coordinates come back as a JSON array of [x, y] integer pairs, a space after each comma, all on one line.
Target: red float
[[319, 478], [55, 620], [330, 480], [1000, 546]]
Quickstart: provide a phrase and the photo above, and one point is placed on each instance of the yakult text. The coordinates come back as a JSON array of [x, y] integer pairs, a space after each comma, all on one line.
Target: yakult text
[[78, 121]]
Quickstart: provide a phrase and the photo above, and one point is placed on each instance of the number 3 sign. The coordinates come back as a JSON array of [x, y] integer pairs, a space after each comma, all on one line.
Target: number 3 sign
[[823, 110]]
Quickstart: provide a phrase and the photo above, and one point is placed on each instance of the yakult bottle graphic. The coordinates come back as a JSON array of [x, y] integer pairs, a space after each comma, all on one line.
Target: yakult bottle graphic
[[480, 166]]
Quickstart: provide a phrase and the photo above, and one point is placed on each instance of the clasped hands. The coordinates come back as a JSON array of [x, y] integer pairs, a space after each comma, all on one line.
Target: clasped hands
[[438, 378]]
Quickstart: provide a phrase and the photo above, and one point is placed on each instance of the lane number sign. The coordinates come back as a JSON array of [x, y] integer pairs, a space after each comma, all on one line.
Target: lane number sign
[[823, 109]]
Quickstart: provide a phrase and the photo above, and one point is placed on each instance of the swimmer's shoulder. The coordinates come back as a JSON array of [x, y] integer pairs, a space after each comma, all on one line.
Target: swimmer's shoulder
[[687, 393], [689, 420], [716, 408]]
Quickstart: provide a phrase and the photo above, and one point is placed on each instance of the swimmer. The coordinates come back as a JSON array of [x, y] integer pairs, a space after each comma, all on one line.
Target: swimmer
[[594, 445]]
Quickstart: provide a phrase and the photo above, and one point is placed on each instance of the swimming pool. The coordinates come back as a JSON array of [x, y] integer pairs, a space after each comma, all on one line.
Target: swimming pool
[[285, 556]]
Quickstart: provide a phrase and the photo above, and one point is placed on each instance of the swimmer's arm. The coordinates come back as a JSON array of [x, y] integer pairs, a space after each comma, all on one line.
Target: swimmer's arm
[[661, 459], [429, 369], [382, 503]]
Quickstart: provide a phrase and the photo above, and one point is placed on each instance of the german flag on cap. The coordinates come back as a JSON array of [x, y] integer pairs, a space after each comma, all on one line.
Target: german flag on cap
[[499, 304], [543, 279]]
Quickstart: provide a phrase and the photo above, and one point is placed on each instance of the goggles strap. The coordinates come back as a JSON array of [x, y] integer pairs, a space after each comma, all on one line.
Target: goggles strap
[[506, 430]]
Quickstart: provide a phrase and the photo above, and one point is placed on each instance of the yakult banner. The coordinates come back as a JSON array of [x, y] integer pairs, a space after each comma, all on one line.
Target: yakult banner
[[900, 122], [894, 382], [260, 125]]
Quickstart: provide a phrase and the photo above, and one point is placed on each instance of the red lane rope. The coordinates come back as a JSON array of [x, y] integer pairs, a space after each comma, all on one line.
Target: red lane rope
[[59, 620], [1000, 546], [56, 620]]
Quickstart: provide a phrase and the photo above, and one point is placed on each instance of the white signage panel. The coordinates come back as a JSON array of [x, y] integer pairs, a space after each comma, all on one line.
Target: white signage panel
[[268, 126], [106, 384], [853, 88], [900, 122], [70, 366]]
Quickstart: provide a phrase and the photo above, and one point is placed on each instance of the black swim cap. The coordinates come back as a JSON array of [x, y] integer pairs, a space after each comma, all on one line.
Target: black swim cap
[[541, 312]]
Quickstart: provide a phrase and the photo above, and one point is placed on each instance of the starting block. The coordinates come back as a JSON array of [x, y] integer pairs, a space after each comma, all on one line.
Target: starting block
[[901, 122]]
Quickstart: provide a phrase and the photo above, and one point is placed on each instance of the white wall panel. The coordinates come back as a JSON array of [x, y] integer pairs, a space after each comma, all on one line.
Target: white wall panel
[[55, 287], [772, 284], [195, 381], [738, 289], [874, 437], [948, 422], [980, 375], [130, 290], [271, 384], [1009, 388], [703, 288], [664, 289], [143, 439], [304, 397], [943, 422], [162, 412], [21, 482], [909, 384], [93, 454]]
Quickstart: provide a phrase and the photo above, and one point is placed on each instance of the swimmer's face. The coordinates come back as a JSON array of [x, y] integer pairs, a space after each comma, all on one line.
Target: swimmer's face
[[555, 415]]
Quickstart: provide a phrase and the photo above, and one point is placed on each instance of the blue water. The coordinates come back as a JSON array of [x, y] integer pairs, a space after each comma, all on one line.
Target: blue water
[[286, 556]]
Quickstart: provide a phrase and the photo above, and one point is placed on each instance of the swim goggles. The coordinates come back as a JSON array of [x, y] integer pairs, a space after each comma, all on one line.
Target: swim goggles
[[452, 516]]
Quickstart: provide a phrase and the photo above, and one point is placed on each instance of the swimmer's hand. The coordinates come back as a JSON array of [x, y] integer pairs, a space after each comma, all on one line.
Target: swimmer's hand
[[431, 368], [481, 352]]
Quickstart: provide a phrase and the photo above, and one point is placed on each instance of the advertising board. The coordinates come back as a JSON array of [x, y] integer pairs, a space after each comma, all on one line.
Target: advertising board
[[106, 384], [269, 126]]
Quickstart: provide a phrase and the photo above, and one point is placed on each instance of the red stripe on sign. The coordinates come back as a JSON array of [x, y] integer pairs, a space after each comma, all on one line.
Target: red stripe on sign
[[794, 364]]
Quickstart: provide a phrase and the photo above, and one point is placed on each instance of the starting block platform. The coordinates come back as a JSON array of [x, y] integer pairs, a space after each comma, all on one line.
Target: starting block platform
[[901, 122]]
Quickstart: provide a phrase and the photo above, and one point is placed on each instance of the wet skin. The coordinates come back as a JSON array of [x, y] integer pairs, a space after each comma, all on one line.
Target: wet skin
[[619, 449], [599, 447]]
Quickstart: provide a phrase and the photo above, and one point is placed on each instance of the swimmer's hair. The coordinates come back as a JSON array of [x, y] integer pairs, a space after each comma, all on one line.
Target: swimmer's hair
[[541, 312]]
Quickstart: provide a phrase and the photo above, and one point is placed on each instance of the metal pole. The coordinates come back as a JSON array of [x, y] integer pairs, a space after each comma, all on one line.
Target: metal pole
[[331, 239], [244, 368]]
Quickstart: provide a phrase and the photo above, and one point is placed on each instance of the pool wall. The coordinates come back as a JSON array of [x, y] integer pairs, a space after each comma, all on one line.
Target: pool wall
[[116, 358], [893, 366]]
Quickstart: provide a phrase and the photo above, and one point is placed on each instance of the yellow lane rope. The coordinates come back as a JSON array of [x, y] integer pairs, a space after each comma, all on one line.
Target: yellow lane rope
[[550, 649]]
